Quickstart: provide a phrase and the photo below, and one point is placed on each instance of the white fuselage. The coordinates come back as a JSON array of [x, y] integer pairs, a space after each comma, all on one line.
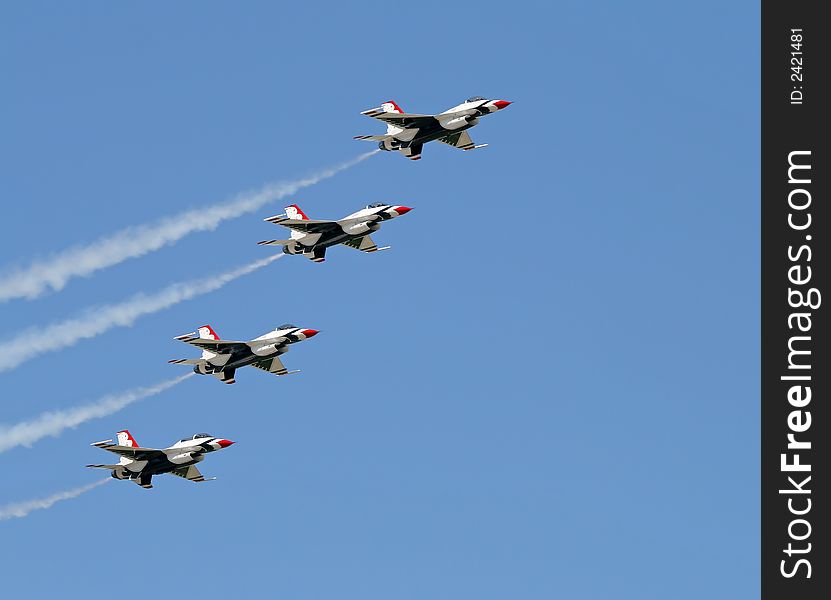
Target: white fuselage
[[182, 453], [355, 225]]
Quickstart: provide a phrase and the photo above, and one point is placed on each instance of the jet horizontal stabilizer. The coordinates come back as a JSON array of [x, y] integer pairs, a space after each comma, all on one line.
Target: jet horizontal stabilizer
[[408, 132], [275, 242], [139, 465], [185, 336], [101, 443], [372, 138]]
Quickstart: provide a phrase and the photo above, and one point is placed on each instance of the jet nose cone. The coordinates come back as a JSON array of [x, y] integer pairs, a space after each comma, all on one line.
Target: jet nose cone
[[225, 443], [310, 332], [500, 104], [402, 210]]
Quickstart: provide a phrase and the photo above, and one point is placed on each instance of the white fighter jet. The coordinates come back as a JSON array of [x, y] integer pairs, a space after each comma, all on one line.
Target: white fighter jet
[[407, 133], [140, 464], [221, 358], [311, 238]]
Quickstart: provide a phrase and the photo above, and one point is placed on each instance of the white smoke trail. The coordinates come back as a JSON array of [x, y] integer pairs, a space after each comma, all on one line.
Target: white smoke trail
[[39, 340], [55, 271], [21, 509], [54, 423]]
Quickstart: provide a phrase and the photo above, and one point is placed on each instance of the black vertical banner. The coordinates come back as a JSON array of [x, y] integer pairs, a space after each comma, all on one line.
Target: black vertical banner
[[796, 372]]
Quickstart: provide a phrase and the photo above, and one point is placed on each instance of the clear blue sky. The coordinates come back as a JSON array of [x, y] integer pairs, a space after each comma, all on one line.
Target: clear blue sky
[[547, 389]]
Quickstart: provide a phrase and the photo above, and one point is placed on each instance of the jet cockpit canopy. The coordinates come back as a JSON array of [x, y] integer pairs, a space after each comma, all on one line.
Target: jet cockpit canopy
[[196, 436]]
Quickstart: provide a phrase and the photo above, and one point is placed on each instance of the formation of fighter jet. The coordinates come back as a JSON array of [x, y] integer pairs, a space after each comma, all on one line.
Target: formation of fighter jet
[[311, 238], [140, 464], [221, 358], [407, 133]]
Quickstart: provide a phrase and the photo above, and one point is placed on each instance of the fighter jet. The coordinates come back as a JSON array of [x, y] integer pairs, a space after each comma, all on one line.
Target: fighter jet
[[407, 133], [221, 358], [140, 464], [311, 238]]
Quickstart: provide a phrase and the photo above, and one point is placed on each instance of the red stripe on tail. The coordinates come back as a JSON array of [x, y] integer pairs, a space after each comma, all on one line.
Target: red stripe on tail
[[125, 438], [295, 212], [206, 332], [395, 107]]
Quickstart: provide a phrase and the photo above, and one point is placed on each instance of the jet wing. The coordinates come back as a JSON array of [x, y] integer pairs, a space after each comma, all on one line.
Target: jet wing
[[271, 365], [303, 225], [364, 244], [460, 140], [403, 120], [187, 361], [191, 473], [130, 451], [216, 346]]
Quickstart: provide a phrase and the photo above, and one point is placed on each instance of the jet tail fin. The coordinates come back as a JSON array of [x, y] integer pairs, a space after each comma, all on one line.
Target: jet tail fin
[[387, 107], [206, 332], [125, 438], [391, 107], [295, 212]]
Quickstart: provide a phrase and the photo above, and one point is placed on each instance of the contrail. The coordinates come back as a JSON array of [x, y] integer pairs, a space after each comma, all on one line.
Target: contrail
[[19, 510], [54, 423], [55, 271], [39, 340]]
